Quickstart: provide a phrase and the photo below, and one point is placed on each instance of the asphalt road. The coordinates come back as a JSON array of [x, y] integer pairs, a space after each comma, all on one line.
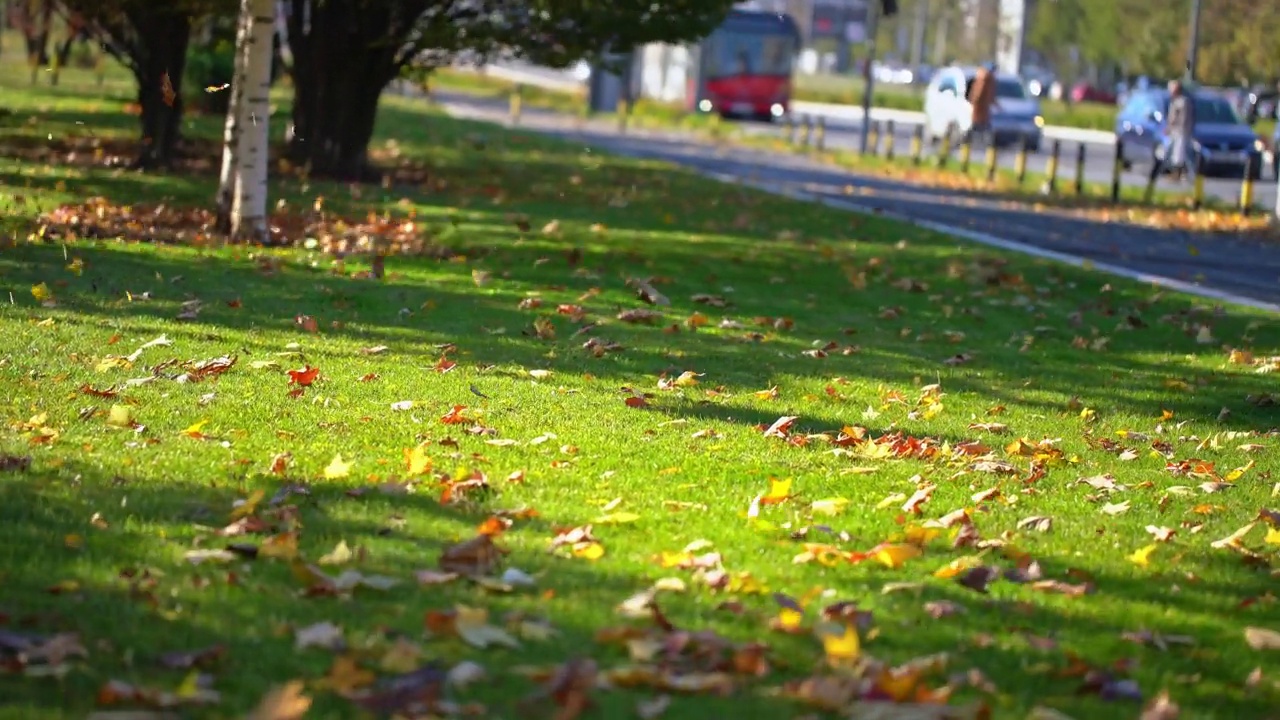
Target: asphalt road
[[844, 127], [1240, 265], [846, 135]]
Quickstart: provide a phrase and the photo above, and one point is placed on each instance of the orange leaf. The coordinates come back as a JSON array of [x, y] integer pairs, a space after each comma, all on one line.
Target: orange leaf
[[305, 376], [455, 416], [635, 401]]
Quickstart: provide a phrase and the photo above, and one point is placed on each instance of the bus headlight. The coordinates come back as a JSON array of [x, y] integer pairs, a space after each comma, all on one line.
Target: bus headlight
[[704, 105], [1259, 146], [777, 110], [1039, 121]]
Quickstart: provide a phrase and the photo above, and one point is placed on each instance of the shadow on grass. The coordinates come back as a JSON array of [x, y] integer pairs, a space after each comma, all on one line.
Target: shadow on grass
[[656, 221], [103, 557], [419, 312]]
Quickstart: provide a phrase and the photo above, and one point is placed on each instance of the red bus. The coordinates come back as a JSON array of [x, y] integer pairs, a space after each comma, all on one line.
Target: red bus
[[745, 65]]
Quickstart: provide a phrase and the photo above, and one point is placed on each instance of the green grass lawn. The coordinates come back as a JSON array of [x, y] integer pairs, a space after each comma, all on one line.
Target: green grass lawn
[[1006, 478]]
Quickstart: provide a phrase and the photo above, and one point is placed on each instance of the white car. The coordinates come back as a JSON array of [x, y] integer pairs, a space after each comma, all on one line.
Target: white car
[[1016, 114]]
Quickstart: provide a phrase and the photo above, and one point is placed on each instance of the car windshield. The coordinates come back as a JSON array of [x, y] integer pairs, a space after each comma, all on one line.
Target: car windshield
[[1006, 88], [1211, 109], [1010, 89], [1216, 110]]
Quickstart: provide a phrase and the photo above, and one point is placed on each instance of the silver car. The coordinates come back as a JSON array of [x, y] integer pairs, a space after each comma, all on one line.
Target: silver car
[[1016, 115]]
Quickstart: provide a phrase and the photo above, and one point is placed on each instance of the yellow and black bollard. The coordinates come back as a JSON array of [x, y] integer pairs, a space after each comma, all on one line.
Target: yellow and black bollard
[[1157, 168], [516, 103], [1197, 185], [890, 132], [820, 134], [806, 133], [1117, 170], [992, 160], [966, 152], [917, 145], [624, 114], [1051, 170], [944, 150], [1246, 186], [1020, 162], [873, 141], [1080, 166]]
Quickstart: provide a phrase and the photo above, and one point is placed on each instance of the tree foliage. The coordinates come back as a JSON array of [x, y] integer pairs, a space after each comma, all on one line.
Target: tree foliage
[[346, 51], [1237, 37]]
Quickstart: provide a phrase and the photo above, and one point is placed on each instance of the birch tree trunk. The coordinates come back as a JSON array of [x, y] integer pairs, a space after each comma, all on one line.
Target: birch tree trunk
[[249, 205], [230, 128]]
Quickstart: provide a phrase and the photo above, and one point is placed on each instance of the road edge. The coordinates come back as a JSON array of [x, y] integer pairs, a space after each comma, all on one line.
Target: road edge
[[996, 241]]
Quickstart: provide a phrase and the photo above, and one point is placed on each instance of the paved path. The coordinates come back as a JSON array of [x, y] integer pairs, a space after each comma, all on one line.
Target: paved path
[[844, 128], [1225, 263]]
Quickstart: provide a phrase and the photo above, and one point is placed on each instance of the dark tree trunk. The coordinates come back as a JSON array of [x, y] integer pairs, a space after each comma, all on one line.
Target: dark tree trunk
[[344, 54], [167, 36]]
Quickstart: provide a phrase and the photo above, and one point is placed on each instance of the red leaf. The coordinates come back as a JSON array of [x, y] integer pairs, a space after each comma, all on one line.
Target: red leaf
[[304, 376], [635, 401]]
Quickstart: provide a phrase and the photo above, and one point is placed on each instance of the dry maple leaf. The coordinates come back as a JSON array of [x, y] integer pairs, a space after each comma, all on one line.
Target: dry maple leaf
[[282, 702], [1039, 523], [640, 316], [569, 689], [477, 556]]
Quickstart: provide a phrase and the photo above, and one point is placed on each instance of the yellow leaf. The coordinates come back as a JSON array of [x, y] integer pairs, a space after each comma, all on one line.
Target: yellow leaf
[[687, 378], [73, 542], [41, 292], [789, 619], [419, 461], [830, 506], [957, 566], [779, 490], [120, 416], [1239, 472], [194, 430], [337, 469], [1273, 536], [249, 506], [617, 518], [921, 536], [1142, 556], [895, 556], [841, 643], [589, 551]]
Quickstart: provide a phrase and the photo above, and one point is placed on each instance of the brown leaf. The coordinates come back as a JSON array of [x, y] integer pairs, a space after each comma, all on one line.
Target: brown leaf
[[477, 556], [979, 578], [282, 702]]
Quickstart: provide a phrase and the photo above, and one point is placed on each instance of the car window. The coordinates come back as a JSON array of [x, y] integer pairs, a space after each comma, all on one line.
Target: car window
[[1010, 89], [1216, 110]]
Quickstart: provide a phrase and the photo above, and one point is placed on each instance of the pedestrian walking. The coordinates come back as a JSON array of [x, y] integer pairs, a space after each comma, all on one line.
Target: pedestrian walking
[[1180, 123], [982, 98]]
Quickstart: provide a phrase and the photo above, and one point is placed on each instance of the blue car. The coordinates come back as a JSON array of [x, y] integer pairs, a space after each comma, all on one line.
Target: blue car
[[1223, 144]]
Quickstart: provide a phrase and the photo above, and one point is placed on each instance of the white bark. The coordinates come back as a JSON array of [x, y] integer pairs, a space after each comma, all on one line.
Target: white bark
[[249, 206], [230, 128]]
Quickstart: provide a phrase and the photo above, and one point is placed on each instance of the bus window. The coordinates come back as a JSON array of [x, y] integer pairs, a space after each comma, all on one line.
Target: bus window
[[739, 53]]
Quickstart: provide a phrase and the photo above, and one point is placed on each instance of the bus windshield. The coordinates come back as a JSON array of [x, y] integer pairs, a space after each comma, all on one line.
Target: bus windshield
[[733, 52]]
